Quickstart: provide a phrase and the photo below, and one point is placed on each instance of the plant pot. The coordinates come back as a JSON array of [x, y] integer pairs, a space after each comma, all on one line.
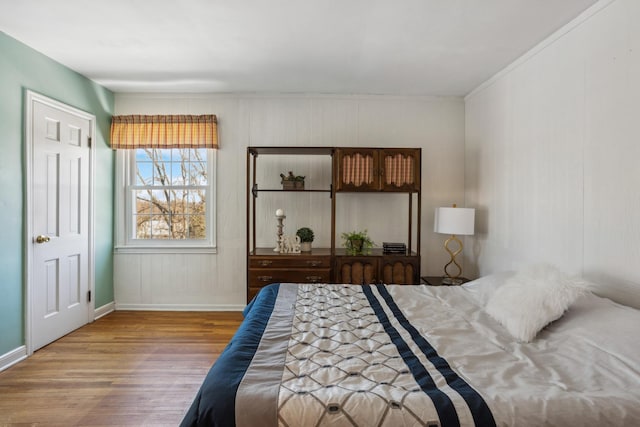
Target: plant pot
[[288, 185], [292, 185], [305, 246], [356, 245]]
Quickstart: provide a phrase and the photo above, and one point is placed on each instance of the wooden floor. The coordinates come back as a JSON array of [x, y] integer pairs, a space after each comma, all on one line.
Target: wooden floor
[[127, 369]]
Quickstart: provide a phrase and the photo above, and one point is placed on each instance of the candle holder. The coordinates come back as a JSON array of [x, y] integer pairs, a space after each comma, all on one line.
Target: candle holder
[[280, 216]]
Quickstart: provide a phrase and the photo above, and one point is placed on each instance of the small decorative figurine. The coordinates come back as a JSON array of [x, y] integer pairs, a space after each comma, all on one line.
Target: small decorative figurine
[[290, 244]]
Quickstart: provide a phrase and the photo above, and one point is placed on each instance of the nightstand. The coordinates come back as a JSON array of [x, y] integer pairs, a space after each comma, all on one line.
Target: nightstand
[[437, 280]]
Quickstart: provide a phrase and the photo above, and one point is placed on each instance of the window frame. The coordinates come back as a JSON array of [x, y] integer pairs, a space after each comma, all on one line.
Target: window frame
[[124, 217]]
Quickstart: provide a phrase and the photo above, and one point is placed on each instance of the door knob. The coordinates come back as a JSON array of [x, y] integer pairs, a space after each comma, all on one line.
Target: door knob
[[42, 239]]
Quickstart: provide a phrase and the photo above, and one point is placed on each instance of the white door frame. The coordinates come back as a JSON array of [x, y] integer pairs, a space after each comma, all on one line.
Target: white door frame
[[30, 98]]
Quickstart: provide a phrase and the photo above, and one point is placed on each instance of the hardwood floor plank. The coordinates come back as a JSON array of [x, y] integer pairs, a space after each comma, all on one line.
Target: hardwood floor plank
[[129, 368]]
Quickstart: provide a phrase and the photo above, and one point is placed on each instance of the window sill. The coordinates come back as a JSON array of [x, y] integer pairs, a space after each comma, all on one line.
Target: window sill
[[164, 250]]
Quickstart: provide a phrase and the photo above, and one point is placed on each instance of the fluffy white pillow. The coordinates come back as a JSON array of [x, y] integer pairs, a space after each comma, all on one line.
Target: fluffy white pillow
[[483, 288], [531, 299]]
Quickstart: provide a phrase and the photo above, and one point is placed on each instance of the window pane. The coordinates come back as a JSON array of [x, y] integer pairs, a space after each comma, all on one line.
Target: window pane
[[198, 154], [163, 155], [144, 173], [143, 204], [179, 229], [197, 227], [181, 155], [196, 203], [162, 173], [176, 202], [198, 173], [144, 155], [160, 227], [173, 211], [180, 174], [144, 226], [160, 202]]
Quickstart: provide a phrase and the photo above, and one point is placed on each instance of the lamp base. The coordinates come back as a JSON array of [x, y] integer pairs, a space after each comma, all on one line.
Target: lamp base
[[451, 278], [452, 281]]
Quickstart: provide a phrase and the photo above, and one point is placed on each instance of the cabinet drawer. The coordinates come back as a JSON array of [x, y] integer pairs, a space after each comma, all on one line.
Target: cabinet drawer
[[259, 277], [290, 262]]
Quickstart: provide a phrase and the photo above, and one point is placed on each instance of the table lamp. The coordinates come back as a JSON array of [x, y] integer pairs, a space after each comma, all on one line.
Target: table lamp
[[454, 221]]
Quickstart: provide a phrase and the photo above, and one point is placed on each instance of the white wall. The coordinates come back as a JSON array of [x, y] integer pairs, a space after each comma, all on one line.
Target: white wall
[[552, 155], [218, 281]]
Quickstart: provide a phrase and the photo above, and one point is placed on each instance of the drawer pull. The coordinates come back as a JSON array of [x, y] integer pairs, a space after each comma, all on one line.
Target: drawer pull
[[314, 263], [264, 262], [265, 278], [314, 279]]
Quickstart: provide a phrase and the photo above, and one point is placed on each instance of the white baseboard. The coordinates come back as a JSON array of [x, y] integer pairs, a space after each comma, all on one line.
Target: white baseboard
[[104, 310], [181, 307], [13, 357]]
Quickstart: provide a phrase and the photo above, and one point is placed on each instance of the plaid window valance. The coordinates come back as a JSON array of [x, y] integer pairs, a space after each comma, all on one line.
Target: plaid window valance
[[164, 131]]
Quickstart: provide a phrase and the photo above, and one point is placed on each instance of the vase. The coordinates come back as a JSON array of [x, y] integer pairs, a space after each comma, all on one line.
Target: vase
[[305, 246]]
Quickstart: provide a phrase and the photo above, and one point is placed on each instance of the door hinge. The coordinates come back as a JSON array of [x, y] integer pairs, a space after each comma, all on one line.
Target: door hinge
[[88, 296], [89, 141]]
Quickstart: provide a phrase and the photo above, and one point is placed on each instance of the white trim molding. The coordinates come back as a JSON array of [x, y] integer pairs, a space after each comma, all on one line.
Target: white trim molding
[[180, 307], [104, 310], [14, 356]]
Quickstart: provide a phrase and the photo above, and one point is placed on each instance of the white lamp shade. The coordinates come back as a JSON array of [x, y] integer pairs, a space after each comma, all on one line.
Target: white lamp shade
[[457, 221]]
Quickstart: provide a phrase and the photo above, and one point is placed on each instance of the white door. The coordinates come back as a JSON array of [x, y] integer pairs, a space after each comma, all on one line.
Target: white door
[[59, 210]]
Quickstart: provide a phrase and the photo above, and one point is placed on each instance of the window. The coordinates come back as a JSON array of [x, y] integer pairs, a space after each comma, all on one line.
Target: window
[[165, 192], [167, 198]]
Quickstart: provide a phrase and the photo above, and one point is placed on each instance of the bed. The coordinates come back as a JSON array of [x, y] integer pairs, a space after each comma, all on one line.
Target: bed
[[390, 355]]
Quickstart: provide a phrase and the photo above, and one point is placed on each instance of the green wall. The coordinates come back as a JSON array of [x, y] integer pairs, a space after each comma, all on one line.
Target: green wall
[[23, 68]]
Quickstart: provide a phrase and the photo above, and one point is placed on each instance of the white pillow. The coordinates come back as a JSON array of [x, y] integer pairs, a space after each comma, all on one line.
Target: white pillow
[[531, 299], [483, 288]]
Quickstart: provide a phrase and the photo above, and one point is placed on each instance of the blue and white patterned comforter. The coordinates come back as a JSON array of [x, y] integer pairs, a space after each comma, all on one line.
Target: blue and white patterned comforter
[[345, 355]]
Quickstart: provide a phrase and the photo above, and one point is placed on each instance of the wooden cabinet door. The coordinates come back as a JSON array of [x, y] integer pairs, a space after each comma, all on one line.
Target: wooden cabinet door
[[356, 270], [357, 169], [389, 269], [404, 270], [399, 169], [377, 169]]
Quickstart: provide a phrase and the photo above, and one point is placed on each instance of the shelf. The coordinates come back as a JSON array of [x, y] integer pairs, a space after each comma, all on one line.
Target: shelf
[[375, 252], [390, 170], [293, 191], [311, 151], [255, 190]]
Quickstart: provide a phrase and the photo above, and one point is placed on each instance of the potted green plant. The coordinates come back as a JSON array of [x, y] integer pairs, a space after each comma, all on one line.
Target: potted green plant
[[306, 237], [292, 182], [357, 242]]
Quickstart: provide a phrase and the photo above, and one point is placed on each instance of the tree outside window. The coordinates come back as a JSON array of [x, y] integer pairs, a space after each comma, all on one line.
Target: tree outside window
[[170, 194]]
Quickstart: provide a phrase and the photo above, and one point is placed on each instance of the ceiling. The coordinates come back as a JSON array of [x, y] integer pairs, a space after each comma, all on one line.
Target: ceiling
[[399, 47]]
